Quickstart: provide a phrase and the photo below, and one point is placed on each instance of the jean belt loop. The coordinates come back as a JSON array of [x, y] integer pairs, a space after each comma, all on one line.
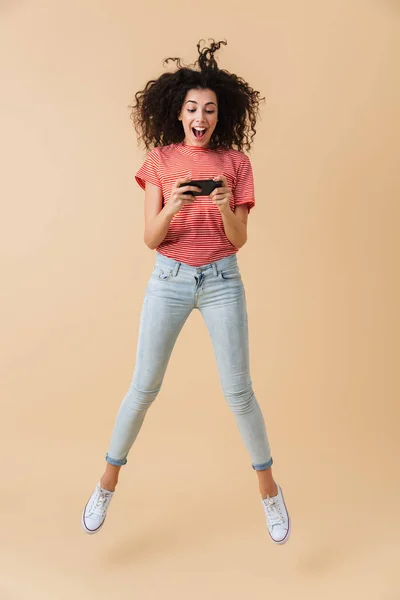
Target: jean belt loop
[[215, 270], [176, 268]]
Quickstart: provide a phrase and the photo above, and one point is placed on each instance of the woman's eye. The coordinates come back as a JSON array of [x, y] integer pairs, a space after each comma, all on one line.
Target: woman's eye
[[209, 112]]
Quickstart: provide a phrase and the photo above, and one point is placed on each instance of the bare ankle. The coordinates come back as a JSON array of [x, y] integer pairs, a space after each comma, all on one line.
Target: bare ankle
[[270, 490], [109, 479], [108, 485]]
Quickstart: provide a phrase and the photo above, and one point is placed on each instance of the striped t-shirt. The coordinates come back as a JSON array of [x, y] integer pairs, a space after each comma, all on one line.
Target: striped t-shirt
[[196, 233]]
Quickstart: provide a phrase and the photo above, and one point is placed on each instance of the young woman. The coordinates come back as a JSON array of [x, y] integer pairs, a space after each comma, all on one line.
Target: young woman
[[192, 119]]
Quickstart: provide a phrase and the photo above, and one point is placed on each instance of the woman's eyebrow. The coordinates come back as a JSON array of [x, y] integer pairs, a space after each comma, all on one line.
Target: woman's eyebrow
[[197, 102]]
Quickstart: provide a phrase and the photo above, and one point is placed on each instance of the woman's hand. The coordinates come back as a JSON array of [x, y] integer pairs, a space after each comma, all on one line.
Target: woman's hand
[[178, 198], [222, 195]]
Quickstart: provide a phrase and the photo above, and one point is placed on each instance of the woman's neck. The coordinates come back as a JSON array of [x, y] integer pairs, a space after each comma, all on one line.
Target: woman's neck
[[197, 148]]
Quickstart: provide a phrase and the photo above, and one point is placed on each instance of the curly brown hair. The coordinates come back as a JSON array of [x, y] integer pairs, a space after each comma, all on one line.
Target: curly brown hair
[[155, 113]]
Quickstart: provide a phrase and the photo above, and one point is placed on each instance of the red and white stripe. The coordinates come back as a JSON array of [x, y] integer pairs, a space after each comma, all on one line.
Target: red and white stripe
[[196, 234]]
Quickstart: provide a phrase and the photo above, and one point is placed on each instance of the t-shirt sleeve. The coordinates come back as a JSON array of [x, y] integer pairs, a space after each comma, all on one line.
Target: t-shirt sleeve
[[149, 170], [244, 188]]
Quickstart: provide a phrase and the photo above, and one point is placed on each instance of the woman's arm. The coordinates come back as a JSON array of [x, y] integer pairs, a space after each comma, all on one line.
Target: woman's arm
[[235, 224], [156, 218]]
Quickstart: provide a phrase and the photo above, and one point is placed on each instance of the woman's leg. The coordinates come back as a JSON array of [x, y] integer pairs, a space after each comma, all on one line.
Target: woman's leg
[[109, 479], [163, 315], [224, 310]]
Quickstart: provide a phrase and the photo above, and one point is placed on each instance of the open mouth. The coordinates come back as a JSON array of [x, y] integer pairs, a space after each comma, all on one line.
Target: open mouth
[[199, 132]]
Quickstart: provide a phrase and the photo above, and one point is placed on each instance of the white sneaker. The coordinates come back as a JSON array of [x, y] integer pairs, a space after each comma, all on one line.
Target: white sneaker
[[278, 520], [94, 513]]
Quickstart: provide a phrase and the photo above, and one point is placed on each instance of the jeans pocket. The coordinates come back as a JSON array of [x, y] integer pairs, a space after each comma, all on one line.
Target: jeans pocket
[[161, 273], [231, 273]]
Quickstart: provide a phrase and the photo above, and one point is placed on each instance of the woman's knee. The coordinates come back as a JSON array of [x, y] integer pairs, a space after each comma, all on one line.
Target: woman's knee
[[141, 399], [240, 401]]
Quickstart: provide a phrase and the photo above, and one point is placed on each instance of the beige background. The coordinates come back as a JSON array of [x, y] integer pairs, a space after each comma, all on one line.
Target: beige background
[[321, 274]]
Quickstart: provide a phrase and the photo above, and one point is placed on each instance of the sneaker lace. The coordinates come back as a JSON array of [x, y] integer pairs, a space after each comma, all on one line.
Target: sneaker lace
[[101, 503], [273, 512]]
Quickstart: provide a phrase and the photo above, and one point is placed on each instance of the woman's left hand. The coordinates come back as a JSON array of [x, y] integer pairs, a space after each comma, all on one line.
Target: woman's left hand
[[221, 196]]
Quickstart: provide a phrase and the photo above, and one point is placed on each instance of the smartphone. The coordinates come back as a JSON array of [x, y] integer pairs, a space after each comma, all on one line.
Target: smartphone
[[206, 185]]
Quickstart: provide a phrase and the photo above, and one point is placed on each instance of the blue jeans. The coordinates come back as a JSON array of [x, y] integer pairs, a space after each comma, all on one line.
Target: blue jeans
[[173, 291]]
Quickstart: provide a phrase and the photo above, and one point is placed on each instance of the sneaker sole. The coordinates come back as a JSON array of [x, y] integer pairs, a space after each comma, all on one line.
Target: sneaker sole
[[85, 529], [285, 539]]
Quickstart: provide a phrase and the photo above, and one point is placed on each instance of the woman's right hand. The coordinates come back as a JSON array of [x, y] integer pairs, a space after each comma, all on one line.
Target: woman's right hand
[[178, 198]]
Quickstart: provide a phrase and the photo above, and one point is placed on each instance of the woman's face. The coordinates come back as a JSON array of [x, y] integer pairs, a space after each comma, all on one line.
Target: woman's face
[[199, 116]]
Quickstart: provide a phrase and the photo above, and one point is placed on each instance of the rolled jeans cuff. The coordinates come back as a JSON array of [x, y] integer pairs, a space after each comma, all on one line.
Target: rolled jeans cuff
[[116, 462], [263, 466]]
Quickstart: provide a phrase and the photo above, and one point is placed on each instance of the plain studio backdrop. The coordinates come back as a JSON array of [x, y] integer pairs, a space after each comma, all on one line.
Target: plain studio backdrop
[[321, 275]]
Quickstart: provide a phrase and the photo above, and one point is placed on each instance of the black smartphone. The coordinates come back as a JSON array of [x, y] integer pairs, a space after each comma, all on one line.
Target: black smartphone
[[206, 185]]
